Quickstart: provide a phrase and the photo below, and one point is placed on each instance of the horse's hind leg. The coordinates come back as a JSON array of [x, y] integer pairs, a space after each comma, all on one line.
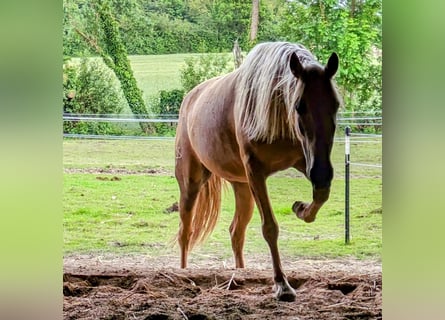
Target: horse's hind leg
[[243, 215], [191, 175]]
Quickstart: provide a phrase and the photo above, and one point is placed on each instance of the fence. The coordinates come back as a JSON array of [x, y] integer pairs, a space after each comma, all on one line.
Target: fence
[[360, 120], [348, 163]]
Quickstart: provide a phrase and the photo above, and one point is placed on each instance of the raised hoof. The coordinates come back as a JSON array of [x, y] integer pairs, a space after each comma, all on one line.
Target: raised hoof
[[299, 208], [285, 293]]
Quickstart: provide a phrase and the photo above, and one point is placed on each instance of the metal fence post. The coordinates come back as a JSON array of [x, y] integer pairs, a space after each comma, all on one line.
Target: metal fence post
[[347, 164]]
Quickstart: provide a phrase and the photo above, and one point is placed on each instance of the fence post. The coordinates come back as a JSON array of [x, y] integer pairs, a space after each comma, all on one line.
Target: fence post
[[347, 164]]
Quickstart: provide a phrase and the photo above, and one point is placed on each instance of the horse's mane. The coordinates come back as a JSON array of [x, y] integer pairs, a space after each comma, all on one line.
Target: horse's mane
[[267, 91]]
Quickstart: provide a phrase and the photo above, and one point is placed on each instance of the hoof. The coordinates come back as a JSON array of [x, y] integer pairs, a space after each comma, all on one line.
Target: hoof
[[285, 293], [299, 209]]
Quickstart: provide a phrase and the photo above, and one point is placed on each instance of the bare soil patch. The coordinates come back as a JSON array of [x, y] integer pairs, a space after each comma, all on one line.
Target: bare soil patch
[[119, 171], [136, 287]]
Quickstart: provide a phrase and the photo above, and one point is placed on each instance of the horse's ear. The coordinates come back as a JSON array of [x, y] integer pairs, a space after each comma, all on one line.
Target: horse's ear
[[295, 65], [332, 65]]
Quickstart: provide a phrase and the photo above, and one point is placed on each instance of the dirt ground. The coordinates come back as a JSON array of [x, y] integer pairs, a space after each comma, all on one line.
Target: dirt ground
[[138, 287]]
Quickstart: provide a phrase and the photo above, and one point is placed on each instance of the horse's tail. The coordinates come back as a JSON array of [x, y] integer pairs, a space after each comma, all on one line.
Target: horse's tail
[[206, 210]]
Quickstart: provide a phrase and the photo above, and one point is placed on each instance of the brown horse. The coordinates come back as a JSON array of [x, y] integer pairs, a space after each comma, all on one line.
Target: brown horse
[[276, 111]]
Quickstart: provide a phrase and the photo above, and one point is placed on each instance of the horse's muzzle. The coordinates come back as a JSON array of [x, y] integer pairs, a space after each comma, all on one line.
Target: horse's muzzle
[[320, 195]]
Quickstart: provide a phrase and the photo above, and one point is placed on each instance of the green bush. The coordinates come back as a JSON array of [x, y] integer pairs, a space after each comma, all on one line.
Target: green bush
[[89, 87], [167, 104], [204, 67]]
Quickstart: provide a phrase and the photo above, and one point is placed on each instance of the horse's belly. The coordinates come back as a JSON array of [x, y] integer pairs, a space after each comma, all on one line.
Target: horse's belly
[[220, 156]]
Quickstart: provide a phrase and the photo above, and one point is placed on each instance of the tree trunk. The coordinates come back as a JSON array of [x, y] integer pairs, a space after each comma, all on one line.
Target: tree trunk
[[254, 20], [237, 56], [353, 6]]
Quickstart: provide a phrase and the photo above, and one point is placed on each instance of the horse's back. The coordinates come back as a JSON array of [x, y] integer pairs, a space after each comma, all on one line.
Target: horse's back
[[208, 106], [207, 126]]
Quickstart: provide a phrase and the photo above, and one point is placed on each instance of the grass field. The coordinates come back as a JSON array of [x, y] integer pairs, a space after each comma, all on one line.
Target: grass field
[[128, 214], [140, 154], [158, 72]]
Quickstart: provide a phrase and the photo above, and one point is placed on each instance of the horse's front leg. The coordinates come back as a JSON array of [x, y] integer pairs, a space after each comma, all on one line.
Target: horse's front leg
[[257, 183], [308, 211]]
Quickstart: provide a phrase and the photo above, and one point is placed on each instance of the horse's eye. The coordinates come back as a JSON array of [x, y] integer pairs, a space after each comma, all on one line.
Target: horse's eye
[[301, 108]]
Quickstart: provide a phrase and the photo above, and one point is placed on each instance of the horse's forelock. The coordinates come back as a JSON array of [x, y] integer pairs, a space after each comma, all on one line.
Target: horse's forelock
[[268, 91]]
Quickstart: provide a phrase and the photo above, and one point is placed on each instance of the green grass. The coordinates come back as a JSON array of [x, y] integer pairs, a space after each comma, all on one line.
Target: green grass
[[113, 215], [140, 154], [129, 154], [129, 215]]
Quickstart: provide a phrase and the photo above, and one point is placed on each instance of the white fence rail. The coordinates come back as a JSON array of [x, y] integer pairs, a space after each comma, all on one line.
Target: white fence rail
[[126, 119], [363, 119]]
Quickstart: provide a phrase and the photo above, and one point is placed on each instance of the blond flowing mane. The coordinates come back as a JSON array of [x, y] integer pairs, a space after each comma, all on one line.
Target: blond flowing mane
[[267, 91]]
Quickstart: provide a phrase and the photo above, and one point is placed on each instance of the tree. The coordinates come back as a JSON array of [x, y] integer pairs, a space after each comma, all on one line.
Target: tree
[[229, 20], [112, 50], [353, 30], [174, 26]]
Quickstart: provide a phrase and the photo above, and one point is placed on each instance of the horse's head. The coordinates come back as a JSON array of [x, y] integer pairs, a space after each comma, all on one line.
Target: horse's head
[[316, 114]]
